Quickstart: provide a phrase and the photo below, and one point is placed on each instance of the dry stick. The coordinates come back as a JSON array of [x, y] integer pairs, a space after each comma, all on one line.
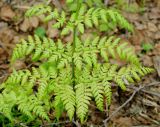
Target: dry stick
[[145, 91], [131, 97], [151, 92]]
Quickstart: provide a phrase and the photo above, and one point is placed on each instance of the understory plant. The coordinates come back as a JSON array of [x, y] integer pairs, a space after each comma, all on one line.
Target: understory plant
[[66, 76]]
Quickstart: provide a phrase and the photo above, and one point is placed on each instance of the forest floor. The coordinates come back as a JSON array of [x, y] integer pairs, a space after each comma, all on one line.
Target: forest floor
[[143, 108]]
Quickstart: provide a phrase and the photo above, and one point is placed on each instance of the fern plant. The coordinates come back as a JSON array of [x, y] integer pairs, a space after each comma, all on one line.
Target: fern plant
[[70, 75]]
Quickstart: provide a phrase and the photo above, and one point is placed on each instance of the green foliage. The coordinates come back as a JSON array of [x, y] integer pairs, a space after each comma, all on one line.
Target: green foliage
[[70, 74], [147, 47], [130, 6], [40, 32]]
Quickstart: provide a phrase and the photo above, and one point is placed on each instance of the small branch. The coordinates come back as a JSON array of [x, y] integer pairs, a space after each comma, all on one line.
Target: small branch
[[131, 97]]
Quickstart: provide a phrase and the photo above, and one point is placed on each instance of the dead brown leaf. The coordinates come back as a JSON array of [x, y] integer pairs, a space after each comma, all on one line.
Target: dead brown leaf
[[157, 35], [51, 32], [156, 50], [124, 122], [18, 65], [147, 61], [29, 23], [6, 13], [156, 60], [34, 21], [25, 25], [6, 35], [138, 37], [152, 27], [140, 26]]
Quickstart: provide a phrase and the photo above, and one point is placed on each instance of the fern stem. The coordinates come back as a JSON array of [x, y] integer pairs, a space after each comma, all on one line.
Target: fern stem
[[74, 46], [74, 41]]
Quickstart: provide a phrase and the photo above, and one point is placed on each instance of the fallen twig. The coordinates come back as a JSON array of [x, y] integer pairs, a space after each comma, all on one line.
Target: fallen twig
[[63, 122], [22, 7], [131, 97], [55, 124]]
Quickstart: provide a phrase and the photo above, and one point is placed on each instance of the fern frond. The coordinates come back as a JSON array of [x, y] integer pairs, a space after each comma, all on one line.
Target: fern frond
[[59, 107], [97, 91], [42, 89], [38, 10], [83, 96], [68, 98], [7, 102], [108, 92], [68, 75], [36, 106], [23, 106], [95, 15], [41, 49]]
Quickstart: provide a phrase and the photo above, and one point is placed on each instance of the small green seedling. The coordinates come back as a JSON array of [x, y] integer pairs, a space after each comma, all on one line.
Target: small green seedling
[[147, 47], [40, 32]]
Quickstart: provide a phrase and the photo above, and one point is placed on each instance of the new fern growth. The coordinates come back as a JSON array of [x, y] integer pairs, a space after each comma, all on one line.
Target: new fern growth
[[70, 74]]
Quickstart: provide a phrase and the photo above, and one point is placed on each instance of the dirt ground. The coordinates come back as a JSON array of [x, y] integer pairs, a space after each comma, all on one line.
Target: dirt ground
[[144, 109]]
